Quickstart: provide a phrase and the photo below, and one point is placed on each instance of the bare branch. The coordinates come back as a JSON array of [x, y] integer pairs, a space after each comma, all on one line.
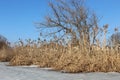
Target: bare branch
[[72, 17]]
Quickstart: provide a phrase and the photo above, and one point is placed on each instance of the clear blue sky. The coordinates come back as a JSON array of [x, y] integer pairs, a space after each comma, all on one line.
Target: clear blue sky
[[17, 17]]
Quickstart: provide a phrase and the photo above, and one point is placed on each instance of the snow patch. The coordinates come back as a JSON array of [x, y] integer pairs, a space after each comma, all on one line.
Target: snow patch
[[30, 73], [30, 66]]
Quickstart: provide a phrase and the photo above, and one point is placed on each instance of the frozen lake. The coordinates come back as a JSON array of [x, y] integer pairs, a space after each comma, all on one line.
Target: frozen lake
[[33, 73]]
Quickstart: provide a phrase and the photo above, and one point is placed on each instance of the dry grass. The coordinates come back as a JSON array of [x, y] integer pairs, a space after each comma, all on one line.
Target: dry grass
[[68, 59], [6, 54]]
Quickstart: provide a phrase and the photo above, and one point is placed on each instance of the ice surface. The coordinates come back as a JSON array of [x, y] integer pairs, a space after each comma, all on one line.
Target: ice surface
[[34, 73]]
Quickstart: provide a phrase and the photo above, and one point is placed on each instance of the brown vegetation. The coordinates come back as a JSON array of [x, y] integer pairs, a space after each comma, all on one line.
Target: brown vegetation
[[6, 53], [68, 59]]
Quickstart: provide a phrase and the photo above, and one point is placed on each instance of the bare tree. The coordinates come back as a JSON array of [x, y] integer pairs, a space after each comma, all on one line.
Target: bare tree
[[115, 39], [3, 42], [71, 19]]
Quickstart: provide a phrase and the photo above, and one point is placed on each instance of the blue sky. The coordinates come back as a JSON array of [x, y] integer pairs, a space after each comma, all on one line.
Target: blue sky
[[108, 10], [17, 17]]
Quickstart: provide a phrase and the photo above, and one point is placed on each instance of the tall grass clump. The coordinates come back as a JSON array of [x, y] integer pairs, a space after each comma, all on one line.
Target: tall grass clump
[[69, 58], [6, 52]]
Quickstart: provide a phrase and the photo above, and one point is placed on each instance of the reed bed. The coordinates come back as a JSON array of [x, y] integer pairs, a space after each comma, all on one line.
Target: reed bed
[[68, 58], [72, 59]]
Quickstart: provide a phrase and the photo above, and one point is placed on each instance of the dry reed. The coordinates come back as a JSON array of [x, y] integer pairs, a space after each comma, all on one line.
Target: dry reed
[[68, 59]]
